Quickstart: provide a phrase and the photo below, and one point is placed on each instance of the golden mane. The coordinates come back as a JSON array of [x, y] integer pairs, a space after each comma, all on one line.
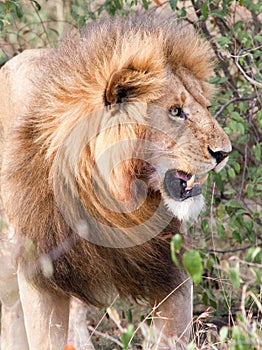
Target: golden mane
[[91, 93]]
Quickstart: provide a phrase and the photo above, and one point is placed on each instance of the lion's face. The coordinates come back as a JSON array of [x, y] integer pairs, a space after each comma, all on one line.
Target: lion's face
[[190, 143]]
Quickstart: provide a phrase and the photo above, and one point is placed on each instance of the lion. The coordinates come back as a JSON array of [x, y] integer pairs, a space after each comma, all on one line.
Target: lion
[[106, 143]]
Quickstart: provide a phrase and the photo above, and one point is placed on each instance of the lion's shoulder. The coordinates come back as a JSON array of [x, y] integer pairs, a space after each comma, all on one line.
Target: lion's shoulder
[[17, 78]]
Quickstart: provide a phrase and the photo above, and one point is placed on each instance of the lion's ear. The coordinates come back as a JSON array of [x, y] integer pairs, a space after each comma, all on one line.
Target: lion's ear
[[121, 86], [140, 80]]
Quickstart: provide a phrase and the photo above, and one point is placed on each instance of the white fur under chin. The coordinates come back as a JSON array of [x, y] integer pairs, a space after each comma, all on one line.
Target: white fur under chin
[[187, 210]]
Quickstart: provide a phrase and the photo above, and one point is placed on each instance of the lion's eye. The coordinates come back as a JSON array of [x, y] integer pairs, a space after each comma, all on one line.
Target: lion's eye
[[176, 112]]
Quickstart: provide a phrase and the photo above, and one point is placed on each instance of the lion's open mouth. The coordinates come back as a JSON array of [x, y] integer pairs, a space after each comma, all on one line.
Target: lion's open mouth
[[180, 186]]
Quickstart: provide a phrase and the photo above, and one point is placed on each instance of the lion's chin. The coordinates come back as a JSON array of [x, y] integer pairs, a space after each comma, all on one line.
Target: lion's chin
[[187, 210]]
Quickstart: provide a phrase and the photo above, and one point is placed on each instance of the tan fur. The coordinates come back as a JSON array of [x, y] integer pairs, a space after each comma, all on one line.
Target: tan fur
[[83, 163]]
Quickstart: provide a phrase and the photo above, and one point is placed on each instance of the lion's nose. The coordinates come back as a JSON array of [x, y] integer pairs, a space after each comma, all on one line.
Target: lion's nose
[[218, 155]]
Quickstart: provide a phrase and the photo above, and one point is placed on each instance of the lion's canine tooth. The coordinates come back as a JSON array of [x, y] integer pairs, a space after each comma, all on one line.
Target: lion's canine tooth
[[203, 179], [190, 182]]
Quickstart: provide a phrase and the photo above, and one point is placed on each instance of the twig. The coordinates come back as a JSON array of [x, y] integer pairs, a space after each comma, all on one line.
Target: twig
[[236, 99], [41, 21], [230, 250], [105, 335], [246, 262], [95, 329], [247, 77], [244, 173]]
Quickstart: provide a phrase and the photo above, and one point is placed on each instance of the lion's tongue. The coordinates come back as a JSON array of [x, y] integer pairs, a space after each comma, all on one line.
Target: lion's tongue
[[189, 179], [183, 176]]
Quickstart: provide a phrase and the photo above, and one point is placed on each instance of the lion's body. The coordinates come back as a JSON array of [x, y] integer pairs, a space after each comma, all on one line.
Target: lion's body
[[108, 86]]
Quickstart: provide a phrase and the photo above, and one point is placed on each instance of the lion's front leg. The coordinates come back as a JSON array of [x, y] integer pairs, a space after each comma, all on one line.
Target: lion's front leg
[[173, 319], [78, 333], [46, 316], [13, 335]]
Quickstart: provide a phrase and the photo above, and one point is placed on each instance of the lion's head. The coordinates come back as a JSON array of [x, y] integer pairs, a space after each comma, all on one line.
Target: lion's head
[[122, 126]]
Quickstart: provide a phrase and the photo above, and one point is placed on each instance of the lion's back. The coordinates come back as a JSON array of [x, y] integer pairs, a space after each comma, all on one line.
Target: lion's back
[[17, 83]]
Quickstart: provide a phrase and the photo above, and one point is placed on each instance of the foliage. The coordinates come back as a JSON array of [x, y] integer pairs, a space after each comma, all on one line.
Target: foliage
[[227, 241]]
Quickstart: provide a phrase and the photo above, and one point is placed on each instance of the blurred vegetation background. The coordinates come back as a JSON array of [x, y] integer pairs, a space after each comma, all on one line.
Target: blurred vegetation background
[[228, 237]]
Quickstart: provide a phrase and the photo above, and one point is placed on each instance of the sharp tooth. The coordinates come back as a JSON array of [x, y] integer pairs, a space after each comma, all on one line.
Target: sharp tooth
[[203, 179], [190, 182]]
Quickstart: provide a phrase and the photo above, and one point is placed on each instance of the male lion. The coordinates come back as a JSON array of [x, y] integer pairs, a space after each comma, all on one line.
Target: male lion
[[106, 142]]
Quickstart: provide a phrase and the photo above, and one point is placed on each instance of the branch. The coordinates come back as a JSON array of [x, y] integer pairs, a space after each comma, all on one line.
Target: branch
[[215, 251], [247, 77], [41, 21], [249, 263], [236, 99], [105, 335]]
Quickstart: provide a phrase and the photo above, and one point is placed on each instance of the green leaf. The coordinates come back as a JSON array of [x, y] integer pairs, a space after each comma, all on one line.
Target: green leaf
[[236, 235], [241, 340], [223, 41], [253, 253], [214, 80], [145, 4], [236, 116], [237, 167], [221, 231], [208, 298], [219, 182], [258, 275], [209, 264], [205, 226], [250, 190], [231, 173], [241, 128], [232, 203], [230, 192], [127, 335], [204, 9], [130, 316], [234, 278], [173, 4], [182, 13], [175, 246], [133, 3], [193, 264], [223, 333], [81, 21], [177, 241], [38, 6], [258, 38], [257, 151], [257, 250], [19, 12], [219, 14], [205, 299]]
